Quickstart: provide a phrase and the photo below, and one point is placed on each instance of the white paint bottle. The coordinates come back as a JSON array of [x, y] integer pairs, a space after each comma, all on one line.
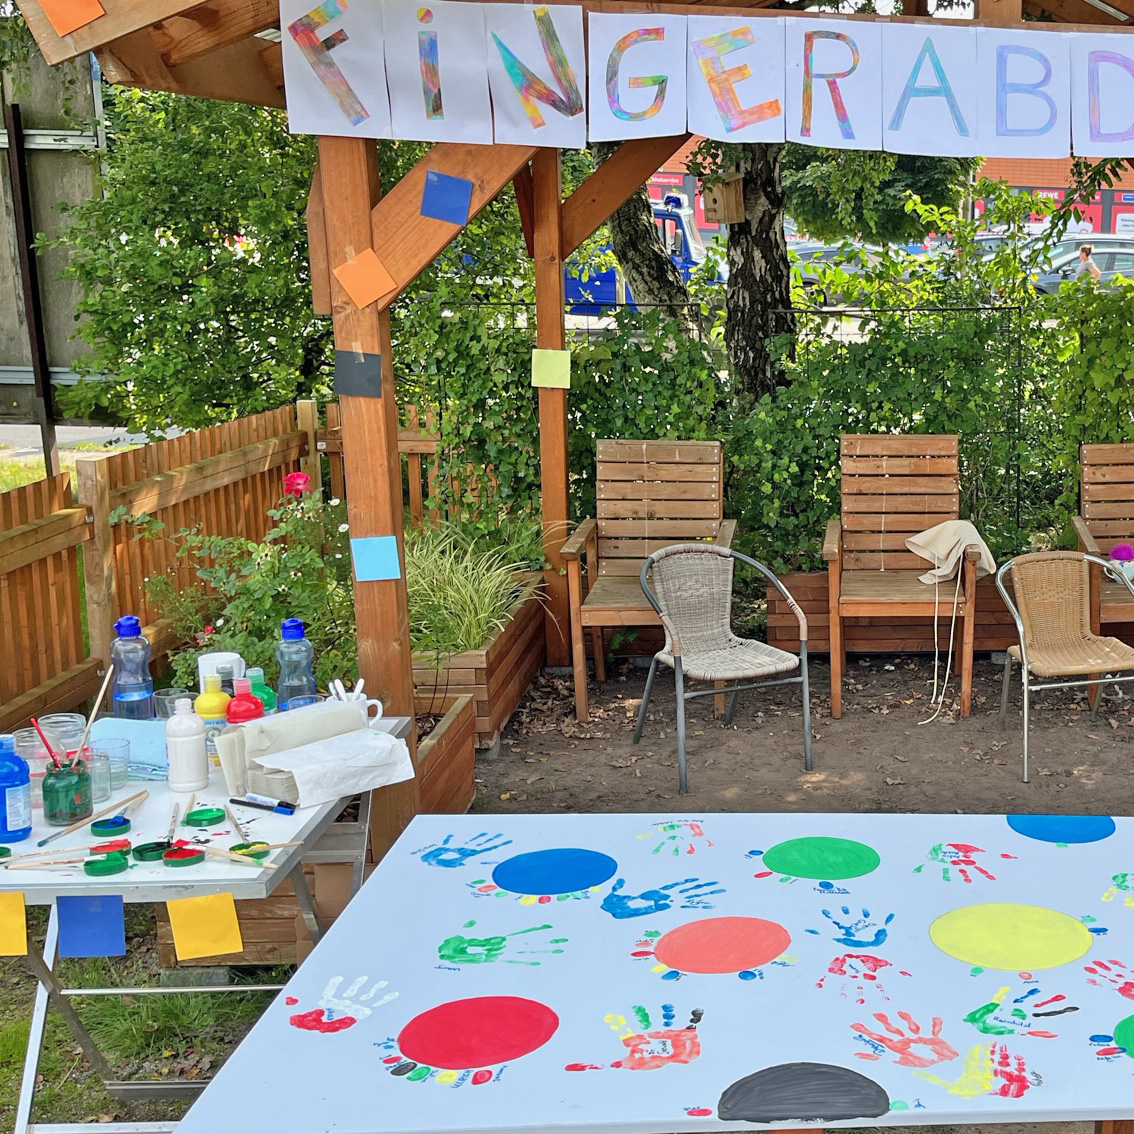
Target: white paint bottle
[[185, 746]]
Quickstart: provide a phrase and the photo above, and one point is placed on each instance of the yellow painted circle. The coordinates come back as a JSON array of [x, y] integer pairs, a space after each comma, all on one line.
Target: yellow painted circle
[[1010, 937]]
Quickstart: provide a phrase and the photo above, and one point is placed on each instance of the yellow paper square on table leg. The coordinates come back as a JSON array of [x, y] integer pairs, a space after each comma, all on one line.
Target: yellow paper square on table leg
[[551, 368], [13, 926], [205, 926]]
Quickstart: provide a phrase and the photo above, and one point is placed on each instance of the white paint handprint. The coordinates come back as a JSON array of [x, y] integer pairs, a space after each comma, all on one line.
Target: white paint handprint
[[336, 1014]]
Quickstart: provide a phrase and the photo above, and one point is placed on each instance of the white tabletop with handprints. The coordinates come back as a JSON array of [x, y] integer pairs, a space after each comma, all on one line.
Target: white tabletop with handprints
[[643, 973]]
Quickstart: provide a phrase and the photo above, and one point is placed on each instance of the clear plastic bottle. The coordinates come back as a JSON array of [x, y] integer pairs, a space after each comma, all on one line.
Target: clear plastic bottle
[[15, 793], [244, 706], [133, 686], [211, 706], [185, 745], [296, 656], [262, 691]]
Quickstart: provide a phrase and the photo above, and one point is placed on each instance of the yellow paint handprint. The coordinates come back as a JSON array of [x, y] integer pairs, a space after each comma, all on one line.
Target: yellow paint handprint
[[975, 1078], [1121, 884]]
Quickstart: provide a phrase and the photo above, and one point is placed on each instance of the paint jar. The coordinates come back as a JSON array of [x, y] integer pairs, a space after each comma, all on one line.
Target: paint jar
[[98, 764], [68, 727], [67, 794], [117, 751], [30, 748]]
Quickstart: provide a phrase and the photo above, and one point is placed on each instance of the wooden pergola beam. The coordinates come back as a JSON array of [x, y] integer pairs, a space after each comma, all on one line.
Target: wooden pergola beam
[[612, 185], [181, 39], [1069, 11], [525, 206], [122, 17], [406, 242], [317, 259]]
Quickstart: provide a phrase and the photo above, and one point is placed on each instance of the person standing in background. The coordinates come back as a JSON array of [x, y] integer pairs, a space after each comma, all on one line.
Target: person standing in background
[[1087, 266]]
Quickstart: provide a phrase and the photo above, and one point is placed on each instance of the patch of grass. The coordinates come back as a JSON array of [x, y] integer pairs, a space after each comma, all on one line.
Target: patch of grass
[[13, 474]]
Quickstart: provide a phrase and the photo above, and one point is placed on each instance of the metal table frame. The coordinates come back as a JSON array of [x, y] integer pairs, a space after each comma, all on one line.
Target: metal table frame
[[324, 842]]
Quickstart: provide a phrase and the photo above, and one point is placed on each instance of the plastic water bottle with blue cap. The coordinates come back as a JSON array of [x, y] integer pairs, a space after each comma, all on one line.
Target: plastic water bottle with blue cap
[[296, 657], [133, 686]]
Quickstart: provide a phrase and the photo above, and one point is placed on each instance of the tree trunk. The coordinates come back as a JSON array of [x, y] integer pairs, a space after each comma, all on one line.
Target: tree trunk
[[651, 275], [758, 298]]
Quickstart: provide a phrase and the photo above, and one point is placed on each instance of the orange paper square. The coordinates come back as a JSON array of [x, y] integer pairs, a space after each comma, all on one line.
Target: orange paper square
[[67, 16], [365, 278]]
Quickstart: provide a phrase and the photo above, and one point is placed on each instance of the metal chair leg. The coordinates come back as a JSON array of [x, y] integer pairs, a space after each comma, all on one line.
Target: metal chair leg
[[731, 712], [1004, 691], [679, 681], [1027, 694], [645, 699], [806, 712]]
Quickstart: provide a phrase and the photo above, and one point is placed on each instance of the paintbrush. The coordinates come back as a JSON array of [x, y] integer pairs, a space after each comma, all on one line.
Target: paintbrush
[[268, 846], [125, 805], [189, 806], [216, 852], [50, 750], [94, 711], [238, 828], [101, 848], [43, 865]]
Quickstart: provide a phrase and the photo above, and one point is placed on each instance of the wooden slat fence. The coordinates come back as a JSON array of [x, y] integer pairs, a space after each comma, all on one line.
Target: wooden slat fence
[[45, 666], [221, 480], [419, 443]]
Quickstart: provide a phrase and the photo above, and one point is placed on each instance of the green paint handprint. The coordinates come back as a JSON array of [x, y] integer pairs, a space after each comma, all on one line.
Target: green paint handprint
[[462, 950], [1121, 884], [992, 1019]]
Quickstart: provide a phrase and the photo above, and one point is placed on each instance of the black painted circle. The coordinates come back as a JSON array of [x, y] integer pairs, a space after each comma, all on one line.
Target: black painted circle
[[803, 1092]]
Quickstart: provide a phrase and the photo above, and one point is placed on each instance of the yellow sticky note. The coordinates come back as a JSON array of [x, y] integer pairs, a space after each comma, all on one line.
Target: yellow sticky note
[[551, 368], [13, 926], [67, 16], [365, 278], [204, 927]]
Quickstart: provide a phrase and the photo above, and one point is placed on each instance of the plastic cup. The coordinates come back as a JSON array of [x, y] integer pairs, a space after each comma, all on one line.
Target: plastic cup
[[98, 764], [31, 748], [165, 701], [117, 751], [306, 699], [68, 727]]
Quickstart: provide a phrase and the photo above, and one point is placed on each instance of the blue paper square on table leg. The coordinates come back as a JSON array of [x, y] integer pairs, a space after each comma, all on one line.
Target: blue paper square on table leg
[[375, 558], [446, 198], [92, 926]]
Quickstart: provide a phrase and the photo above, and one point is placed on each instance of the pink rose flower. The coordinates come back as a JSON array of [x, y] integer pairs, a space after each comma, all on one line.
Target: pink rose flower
[[296, 484]]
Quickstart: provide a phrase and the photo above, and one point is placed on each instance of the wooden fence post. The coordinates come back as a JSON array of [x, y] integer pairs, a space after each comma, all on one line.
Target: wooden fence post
[[93, 490], [307, 419]]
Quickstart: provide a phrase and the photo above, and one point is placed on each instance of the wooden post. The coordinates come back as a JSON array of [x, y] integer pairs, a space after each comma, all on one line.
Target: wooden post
[[999, 13], [349, 175], [307, 419], [551, 335], [93, 489]]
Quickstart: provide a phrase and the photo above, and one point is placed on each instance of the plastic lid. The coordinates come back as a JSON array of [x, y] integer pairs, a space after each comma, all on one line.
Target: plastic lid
[[183, 705], [255, 674], [7, 745], [212, 683], [128, 626], [291, 629], [224, 671], [242, 685]]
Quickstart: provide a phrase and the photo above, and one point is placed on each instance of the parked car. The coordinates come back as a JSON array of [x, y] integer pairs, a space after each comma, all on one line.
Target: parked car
[[1110, 264], [682, 240], [1066, 247], [852, 259]]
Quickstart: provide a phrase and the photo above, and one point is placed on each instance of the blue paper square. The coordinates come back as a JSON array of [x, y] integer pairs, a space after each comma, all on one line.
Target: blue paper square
[[375, 558], [446, 198], [92, 926]]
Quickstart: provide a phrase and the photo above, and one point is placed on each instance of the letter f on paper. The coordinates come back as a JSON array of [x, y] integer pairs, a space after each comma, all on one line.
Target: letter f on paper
[[317, 52], [530, 87], [831, 78]]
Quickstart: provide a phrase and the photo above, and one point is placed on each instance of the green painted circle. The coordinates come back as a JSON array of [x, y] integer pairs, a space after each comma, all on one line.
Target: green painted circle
[[822, 858], [1124, 1035]]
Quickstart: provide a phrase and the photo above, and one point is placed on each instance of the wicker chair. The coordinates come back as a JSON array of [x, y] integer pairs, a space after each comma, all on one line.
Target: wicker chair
[[693, 584], [1052, 611]]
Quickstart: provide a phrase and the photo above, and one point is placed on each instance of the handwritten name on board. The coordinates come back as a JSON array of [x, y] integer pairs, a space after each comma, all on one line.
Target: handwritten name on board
[[463, 72]]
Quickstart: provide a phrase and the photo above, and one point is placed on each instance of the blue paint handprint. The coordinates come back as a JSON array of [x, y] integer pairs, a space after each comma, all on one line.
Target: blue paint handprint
[[447, 855], [688, 894], [857, 933]]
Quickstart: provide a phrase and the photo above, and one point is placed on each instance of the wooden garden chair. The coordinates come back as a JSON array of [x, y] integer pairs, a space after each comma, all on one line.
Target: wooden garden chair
[[892, 488], [1106, 517], [650, 494]]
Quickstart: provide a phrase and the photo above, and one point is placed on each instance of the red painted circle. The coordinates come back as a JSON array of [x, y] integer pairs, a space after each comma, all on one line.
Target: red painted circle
[[470, 1033], [722, 945]]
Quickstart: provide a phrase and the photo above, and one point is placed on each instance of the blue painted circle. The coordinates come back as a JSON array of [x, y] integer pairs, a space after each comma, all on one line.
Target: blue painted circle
[[564, 870], [1063, 828]]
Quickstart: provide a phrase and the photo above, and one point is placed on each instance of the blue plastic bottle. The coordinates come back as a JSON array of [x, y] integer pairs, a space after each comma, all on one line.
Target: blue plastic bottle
[[296, 656], [15, 793], [133, 686]]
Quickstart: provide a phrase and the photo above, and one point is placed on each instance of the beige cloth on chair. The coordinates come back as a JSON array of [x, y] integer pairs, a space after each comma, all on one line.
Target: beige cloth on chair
[[944, 545]]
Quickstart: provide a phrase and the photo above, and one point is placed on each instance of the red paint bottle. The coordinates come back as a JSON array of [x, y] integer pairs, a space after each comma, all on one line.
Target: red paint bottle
[[243, 706]]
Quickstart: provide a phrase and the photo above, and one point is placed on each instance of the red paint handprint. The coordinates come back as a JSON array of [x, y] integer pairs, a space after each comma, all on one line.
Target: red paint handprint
[[1013, 1076], [960, 857], [1112, 973], [912, 1050], [861, 970]]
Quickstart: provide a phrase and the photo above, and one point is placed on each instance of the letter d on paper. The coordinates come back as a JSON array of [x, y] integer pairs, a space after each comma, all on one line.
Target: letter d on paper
[[722, 80], [831, 78], [1095, 60], [317, 52]]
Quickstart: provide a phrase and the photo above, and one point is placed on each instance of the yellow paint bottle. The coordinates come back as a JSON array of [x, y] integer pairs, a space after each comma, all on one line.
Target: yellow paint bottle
[[211, 706]]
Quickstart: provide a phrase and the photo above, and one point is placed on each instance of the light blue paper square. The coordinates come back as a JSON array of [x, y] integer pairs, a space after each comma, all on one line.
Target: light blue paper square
[[375, 558]]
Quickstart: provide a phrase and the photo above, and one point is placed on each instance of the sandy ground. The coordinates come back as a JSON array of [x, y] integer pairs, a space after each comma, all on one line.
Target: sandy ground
[[877, 758]]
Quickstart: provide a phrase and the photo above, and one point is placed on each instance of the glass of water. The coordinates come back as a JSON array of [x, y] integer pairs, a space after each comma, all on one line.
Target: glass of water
[[117, 753]]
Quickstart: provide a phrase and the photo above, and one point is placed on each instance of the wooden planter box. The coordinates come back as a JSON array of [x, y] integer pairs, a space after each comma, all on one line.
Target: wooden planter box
[[446, 758], [497, 675], [995, 629]]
